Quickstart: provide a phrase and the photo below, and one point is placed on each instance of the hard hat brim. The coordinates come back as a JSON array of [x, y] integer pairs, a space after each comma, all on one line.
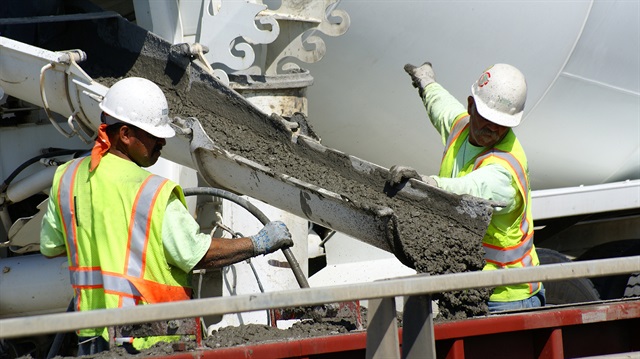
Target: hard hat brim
[[497, 117], [164, 131]]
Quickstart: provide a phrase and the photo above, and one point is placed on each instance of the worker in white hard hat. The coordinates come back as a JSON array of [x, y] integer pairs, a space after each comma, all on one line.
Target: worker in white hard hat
[[127, 233], [483, 158]]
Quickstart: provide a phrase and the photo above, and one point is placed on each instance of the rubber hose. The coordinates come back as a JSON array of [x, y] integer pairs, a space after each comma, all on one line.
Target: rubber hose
[[33, 160], [251, 208]]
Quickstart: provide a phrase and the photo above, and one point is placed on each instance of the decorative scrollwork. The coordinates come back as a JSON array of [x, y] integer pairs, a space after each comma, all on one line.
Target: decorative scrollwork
[[228, 28], [304, 20], [284, 35]]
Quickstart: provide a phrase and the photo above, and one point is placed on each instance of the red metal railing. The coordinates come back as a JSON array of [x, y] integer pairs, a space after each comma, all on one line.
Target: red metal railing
[[550, 333]]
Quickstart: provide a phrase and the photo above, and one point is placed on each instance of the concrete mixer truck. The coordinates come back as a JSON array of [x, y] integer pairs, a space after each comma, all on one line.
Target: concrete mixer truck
[[223, 76]]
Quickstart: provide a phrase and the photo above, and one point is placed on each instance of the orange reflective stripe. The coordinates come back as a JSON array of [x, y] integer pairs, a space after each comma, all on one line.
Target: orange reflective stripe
[[533, 287], [459, 124], [513, 163], [77, 298], [521, 178], [514, 254], [508, 255]]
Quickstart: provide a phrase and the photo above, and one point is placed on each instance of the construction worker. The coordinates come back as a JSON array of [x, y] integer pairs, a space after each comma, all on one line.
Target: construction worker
[[483, 158], [127, 233]]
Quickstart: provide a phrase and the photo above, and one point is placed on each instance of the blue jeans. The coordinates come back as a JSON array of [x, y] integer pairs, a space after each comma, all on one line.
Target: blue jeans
[[537, 300]]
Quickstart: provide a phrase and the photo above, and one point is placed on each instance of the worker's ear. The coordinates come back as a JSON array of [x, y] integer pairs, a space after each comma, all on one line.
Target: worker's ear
[[126, 134], [470, 104]]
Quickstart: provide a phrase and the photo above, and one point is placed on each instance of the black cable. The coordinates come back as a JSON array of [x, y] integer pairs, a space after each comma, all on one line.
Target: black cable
[[33, 160]]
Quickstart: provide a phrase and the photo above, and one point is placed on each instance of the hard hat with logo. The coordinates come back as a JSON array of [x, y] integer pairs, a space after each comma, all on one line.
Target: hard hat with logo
[[139, 102], [500, 94]]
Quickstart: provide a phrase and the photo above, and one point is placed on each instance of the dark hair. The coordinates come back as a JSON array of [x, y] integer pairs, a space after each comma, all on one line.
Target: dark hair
[[112, 129]]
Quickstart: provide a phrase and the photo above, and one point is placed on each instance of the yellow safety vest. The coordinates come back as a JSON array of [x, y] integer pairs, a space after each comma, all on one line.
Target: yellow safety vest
[[113, 235], [508, 242]]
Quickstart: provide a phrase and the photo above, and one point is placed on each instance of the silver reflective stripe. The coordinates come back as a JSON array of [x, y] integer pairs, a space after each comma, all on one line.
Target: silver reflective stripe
[[128, 301], [139, 229], [113, 283], [119, 285], [67, 208], [535, 286], [86, 277], [505, 256]]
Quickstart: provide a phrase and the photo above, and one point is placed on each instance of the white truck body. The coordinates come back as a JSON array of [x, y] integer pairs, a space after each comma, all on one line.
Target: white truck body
[[581, 128]]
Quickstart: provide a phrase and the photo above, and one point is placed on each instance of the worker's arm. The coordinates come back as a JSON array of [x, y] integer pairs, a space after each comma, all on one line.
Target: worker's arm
[[225, 251], [184, 244], [442, 108], [492, 182], [187, 248], [273, 236], [51, 233]]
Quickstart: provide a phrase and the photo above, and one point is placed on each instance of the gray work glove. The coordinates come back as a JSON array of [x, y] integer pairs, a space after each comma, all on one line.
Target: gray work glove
[[272, 237], [421, 76], [398, 174]]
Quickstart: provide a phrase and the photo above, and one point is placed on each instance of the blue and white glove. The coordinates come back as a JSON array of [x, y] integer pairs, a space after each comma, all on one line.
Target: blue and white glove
[[272, 237]]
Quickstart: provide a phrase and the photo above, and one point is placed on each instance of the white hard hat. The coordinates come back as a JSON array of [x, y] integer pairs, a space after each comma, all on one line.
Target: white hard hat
[[500, 94], [139, 102]]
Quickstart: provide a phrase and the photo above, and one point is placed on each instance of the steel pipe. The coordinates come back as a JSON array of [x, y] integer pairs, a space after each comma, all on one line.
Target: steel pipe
[[406, 286]]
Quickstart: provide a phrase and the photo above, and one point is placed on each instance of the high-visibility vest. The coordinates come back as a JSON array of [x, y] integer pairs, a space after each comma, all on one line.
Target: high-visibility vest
[[113, 235], [508, 242]]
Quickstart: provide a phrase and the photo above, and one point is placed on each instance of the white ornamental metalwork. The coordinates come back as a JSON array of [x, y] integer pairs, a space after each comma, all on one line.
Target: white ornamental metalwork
[[247, 37]]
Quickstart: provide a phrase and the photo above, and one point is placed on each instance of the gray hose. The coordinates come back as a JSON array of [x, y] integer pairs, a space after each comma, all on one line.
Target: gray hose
[[216, 192]]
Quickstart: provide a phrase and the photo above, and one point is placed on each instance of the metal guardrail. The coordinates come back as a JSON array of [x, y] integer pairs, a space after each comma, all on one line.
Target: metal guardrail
[[405, 286]]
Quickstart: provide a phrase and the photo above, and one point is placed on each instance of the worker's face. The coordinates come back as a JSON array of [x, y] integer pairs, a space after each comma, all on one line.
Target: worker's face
[[143, 148], [482, 132]]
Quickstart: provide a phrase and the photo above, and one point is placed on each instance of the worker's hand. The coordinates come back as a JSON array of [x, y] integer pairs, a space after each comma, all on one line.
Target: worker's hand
[[272, 237], [398, 174], [420, 76]]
